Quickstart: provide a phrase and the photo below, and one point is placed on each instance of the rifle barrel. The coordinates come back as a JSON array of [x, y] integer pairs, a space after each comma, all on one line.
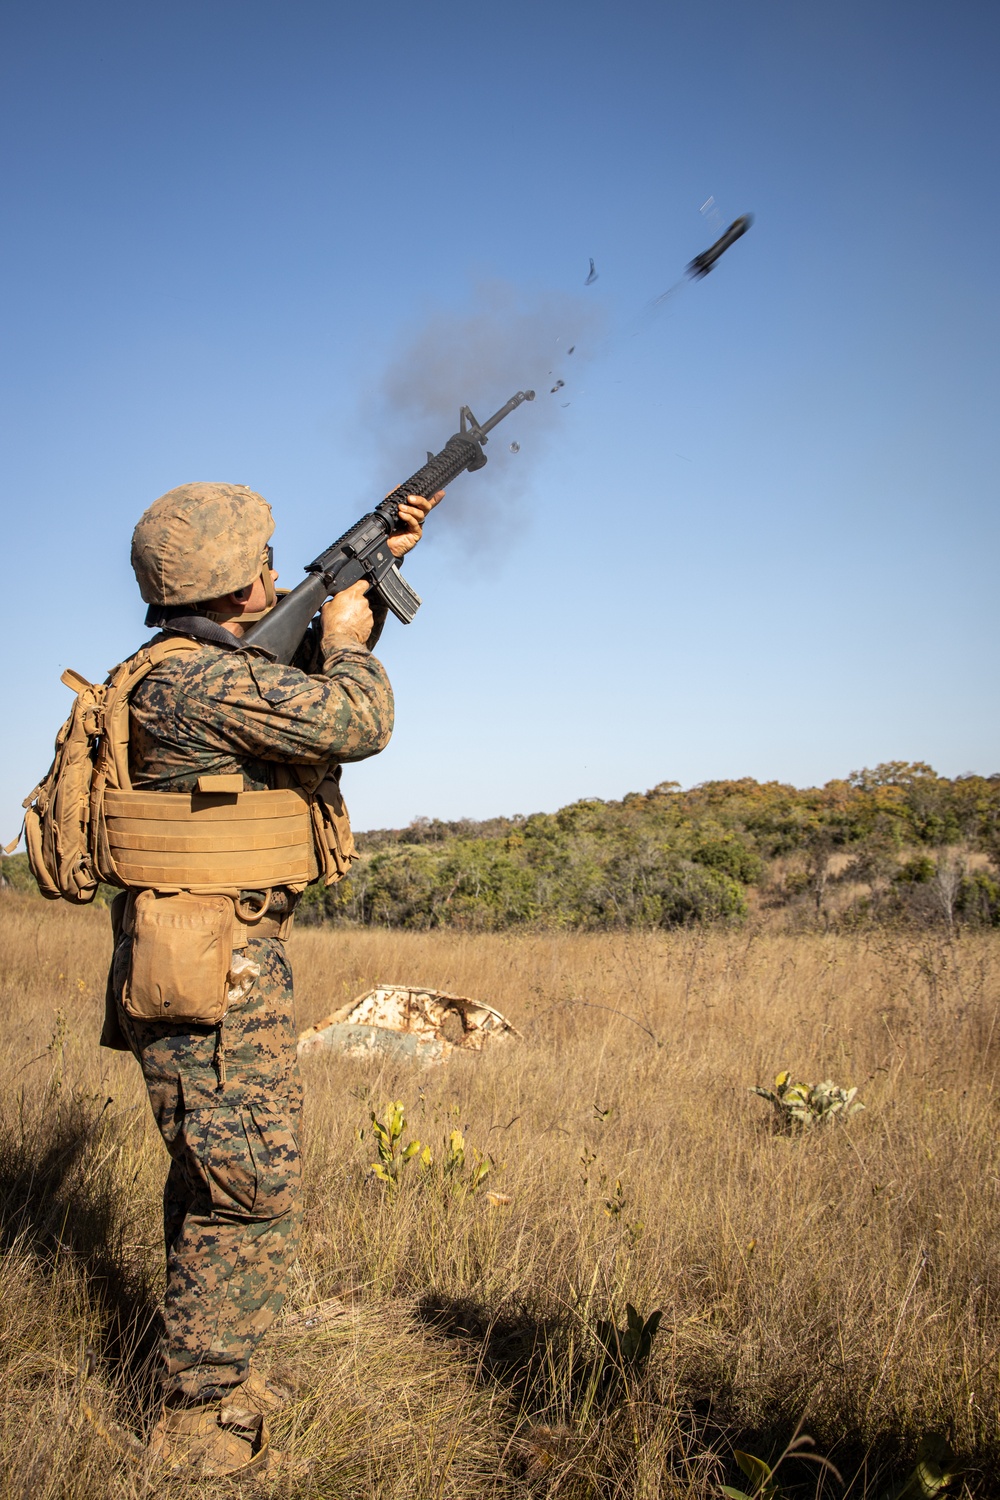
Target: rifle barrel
[[505, 411]]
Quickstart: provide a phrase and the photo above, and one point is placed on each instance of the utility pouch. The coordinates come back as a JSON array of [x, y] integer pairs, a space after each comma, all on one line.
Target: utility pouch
[[332, 829], [182, 953]]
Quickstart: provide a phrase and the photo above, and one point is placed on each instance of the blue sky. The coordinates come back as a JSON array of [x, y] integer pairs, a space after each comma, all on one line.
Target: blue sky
[[280, 245]]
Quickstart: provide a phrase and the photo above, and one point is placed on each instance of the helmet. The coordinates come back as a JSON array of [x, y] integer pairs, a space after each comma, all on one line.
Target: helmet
[[200, 541]]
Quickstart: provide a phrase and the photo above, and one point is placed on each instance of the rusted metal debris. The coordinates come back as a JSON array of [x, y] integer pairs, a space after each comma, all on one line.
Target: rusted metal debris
[[317, 1315], [408, 1021]]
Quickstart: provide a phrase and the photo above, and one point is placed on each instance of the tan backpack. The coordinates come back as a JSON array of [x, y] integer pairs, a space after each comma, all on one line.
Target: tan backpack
[[57, 818]]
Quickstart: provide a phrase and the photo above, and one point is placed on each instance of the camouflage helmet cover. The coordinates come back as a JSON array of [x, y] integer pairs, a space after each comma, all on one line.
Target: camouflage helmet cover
[[200, 541]]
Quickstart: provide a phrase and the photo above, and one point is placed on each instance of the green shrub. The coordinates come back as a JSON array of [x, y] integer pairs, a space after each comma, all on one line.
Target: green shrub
[[978, 900], [730, 856], [16, 873]]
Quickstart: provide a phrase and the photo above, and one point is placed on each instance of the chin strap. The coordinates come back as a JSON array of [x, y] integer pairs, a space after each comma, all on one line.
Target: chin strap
[[270, 597]]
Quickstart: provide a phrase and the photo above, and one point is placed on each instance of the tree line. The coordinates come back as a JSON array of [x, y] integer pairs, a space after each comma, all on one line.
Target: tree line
[[897, 842]]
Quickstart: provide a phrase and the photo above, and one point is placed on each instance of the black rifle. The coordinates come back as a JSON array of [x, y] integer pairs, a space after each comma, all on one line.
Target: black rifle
[[362, 551]]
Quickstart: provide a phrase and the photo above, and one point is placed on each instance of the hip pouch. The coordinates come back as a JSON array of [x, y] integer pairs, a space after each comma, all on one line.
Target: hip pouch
[[332, 829], [182, 952]]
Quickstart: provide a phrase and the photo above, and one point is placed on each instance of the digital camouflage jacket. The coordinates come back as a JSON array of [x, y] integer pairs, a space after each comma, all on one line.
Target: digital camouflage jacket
[[222, 709]]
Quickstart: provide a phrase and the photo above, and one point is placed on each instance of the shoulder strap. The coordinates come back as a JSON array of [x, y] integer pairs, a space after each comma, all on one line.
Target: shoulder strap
[[168, 645], [122, 681]]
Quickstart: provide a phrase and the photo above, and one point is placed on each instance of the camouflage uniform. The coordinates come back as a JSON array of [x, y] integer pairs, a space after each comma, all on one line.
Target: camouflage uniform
[[227, 1099]]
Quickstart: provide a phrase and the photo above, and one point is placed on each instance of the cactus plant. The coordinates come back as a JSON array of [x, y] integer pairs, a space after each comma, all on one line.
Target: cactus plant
[[802, 1105]]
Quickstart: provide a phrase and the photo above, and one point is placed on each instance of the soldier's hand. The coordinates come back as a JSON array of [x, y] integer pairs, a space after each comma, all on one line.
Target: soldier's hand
[[411, 515], [348, 614]]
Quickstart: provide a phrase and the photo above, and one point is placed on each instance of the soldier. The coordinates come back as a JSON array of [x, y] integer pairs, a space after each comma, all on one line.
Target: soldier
[[227, 1097]]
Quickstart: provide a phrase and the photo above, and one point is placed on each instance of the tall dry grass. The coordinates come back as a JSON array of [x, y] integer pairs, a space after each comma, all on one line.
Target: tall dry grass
[[850, 1276]]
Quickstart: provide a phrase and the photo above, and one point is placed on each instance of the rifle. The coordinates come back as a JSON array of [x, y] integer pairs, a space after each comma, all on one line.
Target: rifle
[[361, 552]]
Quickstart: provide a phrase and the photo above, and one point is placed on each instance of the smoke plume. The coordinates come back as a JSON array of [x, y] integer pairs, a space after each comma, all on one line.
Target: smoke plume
[[504, 341]]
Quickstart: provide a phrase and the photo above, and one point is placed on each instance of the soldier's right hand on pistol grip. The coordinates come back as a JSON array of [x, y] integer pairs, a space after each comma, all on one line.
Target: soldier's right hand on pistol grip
[[348, 614]]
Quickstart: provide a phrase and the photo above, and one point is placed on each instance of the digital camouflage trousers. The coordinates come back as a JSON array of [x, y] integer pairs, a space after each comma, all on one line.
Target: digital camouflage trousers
[[227, 1101]]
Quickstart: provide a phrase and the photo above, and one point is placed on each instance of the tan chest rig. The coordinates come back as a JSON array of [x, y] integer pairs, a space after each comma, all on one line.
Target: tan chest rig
[[185, 857]]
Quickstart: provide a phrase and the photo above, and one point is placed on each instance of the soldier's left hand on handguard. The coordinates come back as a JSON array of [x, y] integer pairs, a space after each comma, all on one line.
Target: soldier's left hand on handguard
[[412, 515]]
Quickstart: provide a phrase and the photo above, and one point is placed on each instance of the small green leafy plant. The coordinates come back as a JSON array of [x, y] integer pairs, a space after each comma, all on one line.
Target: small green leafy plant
[[764, 1486], [615, 1205], [933, 1472], [624, 1352], [631, 1346], [463, 1174], [803, 1105], [393, 1156], [464, 1177], [760, 1476]]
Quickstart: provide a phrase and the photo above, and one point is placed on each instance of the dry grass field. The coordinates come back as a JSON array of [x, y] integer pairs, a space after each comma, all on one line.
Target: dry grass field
[[847, 1277]]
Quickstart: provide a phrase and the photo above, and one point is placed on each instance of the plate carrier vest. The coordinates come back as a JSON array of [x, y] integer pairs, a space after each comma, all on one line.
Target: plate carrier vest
[[85, 823]]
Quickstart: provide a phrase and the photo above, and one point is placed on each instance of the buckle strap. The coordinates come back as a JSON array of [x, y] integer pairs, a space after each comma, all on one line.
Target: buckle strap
[[267, 927]]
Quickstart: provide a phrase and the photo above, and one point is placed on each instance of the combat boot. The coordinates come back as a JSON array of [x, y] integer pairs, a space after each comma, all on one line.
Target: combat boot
[[216, 1440], [258, 1394]]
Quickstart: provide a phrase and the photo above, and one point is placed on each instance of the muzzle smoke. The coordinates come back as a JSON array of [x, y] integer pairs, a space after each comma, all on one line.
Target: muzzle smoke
[[506, 341]]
